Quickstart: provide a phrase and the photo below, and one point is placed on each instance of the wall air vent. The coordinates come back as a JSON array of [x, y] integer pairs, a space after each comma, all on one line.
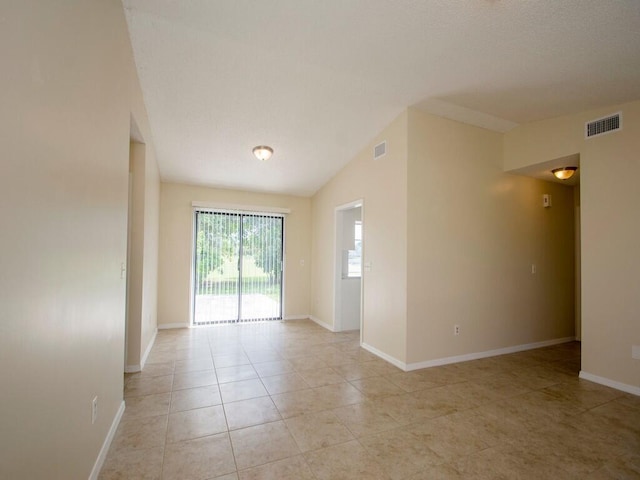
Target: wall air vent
[[608, 124], [380, 150]]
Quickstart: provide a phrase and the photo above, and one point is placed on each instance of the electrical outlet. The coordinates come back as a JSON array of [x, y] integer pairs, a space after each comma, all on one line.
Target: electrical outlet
[[533, 268], [456, 329], [635, 352], [94, 410]]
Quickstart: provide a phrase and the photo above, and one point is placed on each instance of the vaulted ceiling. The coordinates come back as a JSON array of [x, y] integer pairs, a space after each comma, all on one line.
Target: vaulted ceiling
[[317, 80]]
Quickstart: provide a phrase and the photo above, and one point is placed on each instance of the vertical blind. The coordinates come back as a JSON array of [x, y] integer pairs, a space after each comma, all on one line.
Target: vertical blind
[[237, 267]]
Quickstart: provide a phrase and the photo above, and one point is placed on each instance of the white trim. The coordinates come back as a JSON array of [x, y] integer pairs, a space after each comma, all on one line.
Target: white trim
[[238, 207], [610, 383], [168, 326], [283, 272], [240, 210], [384, 356], [350, 205], [462, 358], [296, 317], [337, 263], [107, 443], [143, 360], [321, 323], [489, 353], [192, 271]]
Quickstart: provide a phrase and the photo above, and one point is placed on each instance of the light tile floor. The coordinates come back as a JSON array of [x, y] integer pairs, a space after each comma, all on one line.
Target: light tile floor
[[293, 401]]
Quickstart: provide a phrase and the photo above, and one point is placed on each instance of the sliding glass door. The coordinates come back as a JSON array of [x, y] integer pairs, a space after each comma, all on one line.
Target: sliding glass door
[[217, 278], [237, 267]]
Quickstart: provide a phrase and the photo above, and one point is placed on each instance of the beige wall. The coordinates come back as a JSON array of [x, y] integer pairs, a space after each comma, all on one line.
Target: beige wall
[[139, 125], [382, 184], [609, 199], [176, 229], [578, 261], [142, 280], [538, 142], [67, 91], [473, 234], [135, 258], [451, 239], [149, 317]]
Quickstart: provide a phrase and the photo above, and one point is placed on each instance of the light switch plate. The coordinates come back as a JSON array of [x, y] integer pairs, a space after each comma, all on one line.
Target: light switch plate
[[635, 352]]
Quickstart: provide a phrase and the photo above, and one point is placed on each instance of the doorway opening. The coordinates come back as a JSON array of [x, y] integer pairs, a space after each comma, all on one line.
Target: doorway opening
[[349, 248], [237, 267], [136, 332]]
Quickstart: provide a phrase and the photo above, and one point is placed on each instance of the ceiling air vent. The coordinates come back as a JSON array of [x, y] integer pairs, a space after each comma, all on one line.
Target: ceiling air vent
[[379, 150], [611, 123]]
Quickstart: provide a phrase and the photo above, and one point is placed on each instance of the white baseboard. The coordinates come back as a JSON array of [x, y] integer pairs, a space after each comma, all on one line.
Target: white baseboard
[[610, 383], [296, 317], [379, 353], [408, 367], [143, 360], [321, 323], [488, 353], [168, 326], [97, 466]]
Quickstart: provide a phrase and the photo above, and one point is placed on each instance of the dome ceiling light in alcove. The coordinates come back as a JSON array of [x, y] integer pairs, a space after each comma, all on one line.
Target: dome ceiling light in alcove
[[564, 173]]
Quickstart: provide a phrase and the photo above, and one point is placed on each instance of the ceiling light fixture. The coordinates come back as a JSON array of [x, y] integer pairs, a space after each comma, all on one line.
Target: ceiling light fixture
[[263, 152], [564, 173]]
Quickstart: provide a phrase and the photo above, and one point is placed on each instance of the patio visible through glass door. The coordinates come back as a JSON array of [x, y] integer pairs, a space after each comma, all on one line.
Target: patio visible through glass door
[[237, 267]]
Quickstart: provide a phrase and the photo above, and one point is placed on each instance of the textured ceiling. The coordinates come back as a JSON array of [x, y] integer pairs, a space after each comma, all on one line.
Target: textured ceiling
[[317, 80]]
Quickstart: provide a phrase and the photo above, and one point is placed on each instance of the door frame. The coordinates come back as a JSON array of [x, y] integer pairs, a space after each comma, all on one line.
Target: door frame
[[241, 211], [337, 264]]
